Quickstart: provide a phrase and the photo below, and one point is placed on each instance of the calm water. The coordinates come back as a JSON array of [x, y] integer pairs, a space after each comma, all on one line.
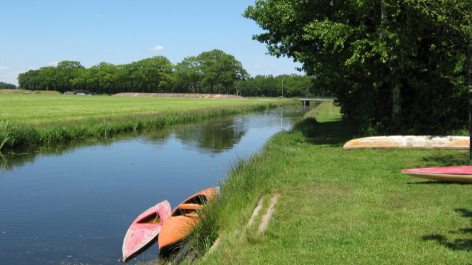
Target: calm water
[[73, 204]]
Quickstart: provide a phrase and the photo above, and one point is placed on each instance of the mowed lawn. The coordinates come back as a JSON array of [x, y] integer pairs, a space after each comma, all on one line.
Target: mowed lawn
[[342, 207], [43, 109]]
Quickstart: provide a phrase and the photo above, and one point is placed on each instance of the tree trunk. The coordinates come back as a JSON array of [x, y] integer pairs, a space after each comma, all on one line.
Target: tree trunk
[[397, 96], [470, 101], [383, 15], [395, 84]]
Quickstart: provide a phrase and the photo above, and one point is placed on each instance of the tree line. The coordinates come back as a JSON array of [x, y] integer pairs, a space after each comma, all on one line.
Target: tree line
[[4, 85], [210, 72], [393, 66], [286, 85]]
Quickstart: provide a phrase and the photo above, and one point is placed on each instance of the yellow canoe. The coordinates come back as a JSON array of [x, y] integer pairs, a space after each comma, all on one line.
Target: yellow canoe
[[400, 141]]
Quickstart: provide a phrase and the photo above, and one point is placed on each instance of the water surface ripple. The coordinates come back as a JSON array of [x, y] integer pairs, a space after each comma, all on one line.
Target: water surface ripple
[[61, 205]]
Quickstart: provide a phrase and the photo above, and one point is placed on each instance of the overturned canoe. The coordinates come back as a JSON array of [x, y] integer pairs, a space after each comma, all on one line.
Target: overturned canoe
[[183, 219], [144, 229], [427, 142], [462, 174]]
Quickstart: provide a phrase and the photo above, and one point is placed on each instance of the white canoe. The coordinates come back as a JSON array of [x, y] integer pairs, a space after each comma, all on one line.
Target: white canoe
[[410, 141]]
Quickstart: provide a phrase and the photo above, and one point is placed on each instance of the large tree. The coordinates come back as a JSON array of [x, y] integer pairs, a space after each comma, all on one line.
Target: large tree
[[48, 74], [219, 68], [31, 80], [189, 73], [394, 66], [66, 71]]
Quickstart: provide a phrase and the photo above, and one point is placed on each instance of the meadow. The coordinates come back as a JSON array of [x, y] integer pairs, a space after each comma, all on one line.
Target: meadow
[[31, 119], [49, 109], [337, 206]]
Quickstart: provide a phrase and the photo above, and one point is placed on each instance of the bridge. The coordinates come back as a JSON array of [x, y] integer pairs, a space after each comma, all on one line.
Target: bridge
[[306, 101]]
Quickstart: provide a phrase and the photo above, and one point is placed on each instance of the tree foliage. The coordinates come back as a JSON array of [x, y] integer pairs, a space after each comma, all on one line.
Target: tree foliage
[[270, 86], [394, 66], [209, 72], [4, 85]]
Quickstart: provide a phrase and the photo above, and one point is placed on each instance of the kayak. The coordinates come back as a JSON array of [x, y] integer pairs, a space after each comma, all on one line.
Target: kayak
[[144, 230], [399, 141], [183, 219], [462, 174]]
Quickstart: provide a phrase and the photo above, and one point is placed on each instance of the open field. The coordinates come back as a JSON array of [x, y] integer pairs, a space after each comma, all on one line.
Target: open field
[[32, 119], [337, 206], [41, 109], [22, 91]]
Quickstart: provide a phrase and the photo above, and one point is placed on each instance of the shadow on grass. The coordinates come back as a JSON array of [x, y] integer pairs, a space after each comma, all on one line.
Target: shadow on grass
[[462, 244], [331, 133], [438, 160], [437, 182]]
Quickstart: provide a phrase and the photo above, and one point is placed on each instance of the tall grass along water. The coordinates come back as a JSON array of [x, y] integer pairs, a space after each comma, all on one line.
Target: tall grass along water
[[73, 204]]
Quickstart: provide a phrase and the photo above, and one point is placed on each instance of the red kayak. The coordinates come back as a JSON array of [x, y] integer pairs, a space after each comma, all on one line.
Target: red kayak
[[461, 174], [144, 229]]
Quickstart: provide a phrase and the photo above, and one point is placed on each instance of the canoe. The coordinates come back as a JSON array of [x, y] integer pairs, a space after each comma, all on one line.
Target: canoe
[[411, 141], [462, 174], [183, 219], [144, 230]]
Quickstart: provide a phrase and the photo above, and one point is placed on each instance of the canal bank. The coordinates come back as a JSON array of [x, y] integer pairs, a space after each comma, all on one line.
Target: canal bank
[[337, 206], [73, 203], [108, 116]]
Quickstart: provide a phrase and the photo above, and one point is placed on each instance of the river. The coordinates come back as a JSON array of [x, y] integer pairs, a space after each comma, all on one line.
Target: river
[[72, 204]]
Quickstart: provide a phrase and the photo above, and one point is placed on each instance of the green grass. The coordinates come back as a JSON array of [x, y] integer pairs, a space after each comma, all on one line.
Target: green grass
[[46, 109], [337, 206], [27, 120]]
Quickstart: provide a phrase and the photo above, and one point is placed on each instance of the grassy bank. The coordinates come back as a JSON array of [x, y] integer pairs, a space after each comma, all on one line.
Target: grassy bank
[[339, 207], [37, 119]]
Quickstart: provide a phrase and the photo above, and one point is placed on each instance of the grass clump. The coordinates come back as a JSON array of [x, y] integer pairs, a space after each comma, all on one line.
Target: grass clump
[[337, 206]]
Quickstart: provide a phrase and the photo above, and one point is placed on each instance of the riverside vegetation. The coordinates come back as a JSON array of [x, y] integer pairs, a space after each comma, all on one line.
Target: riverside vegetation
[[41, 119], [337, 206]]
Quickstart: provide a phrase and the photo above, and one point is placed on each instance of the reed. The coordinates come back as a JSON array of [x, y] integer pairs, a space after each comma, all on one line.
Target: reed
[[15, 134]]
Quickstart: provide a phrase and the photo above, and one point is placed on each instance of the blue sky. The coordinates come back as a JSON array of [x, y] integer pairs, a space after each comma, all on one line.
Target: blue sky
[[41, 33]]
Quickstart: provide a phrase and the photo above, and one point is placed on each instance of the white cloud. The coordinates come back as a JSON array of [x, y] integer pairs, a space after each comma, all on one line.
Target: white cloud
[[157, 48], [4, 68], [99, 15], [13, 73], [54, 63], [258, 66], [273, 65]]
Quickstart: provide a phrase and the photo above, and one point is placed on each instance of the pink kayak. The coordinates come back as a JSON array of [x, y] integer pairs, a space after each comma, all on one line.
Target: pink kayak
[[461, 174], [144, 229]]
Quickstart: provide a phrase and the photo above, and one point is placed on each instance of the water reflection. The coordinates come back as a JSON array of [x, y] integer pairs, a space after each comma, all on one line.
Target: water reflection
[[213, 137], [18, 158], [72, 203]]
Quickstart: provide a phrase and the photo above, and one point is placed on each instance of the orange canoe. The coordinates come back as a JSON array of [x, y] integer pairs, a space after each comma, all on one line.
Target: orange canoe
[[183, 219]]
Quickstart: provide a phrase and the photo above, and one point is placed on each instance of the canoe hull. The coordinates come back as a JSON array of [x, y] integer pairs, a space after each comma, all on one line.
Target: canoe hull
[[144, 230], [427, 142], [461, 174], [183, 219]]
